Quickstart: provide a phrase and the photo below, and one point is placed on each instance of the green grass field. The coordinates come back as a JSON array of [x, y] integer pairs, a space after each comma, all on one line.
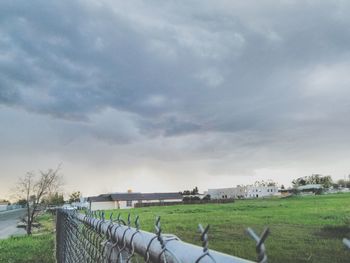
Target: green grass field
[[303, 229], [38, 248]]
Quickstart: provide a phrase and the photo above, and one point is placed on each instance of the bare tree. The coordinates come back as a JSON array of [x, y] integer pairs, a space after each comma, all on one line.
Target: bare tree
[[34, 190]]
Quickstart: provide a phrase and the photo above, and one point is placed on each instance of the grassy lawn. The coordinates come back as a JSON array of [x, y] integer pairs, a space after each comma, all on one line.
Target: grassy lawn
[[36, 248], [303, 229]]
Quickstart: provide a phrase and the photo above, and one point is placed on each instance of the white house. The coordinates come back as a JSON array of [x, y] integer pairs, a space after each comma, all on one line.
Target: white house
[[249, 191], [225, 193], [261, 191], [128, 200]]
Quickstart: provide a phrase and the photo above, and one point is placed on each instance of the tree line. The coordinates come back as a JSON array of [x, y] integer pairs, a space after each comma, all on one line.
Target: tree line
[[325, 180]]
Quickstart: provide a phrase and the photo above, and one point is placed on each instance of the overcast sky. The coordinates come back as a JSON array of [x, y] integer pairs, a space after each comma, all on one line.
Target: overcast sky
[[168, 95]]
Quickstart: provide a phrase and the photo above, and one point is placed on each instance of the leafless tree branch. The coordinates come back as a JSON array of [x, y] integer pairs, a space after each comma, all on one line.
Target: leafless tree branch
[[34, 188]]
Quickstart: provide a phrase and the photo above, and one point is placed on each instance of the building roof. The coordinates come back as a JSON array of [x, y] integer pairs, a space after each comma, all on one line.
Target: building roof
[[100, 198], [134, 197], [310, 187]]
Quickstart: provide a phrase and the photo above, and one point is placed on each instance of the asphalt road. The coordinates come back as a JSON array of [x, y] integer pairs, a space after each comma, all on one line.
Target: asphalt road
[[8, 223]]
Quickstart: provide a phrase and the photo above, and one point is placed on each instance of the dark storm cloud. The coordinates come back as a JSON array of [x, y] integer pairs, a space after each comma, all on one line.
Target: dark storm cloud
[[180, 68], [170, 94]]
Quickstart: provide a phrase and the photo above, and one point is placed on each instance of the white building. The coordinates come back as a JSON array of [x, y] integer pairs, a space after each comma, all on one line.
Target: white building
[[128, 200], [261, 191], [249, 191], [225, 193]]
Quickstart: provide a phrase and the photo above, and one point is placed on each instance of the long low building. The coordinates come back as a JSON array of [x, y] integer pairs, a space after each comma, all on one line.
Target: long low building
[[128, 200], [249, 191]]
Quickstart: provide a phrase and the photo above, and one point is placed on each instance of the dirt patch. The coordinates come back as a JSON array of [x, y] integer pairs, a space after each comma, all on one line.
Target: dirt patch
[[337, 232]]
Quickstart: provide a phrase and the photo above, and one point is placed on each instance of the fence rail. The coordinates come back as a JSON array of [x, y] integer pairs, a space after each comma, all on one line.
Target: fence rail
[[92, 238], [346, 242]]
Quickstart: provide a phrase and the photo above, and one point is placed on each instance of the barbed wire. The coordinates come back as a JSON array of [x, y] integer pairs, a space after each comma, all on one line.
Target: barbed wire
[[260, 246]]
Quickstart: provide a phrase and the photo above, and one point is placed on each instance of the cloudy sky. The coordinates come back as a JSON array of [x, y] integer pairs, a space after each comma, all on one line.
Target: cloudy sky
[[166, 95]]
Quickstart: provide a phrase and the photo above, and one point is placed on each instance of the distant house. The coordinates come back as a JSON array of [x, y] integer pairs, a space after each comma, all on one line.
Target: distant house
[[128, 200], [249, 191]]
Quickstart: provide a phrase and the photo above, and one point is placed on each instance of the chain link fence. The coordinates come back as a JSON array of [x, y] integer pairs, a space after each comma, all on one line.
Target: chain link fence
[[93, 238]]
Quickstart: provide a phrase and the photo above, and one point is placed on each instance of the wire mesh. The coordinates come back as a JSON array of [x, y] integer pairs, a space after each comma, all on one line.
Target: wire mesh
[[93, 238]]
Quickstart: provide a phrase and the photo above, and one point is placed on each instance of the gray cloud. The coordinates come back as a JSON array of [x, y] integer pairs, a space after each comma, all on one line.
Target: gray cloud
[[173, 81]]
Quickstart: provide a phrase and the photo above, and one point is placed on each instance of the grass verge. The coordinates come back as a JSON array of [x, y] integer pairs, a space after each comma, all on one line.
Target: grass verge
[[303, 229], [37, 248]]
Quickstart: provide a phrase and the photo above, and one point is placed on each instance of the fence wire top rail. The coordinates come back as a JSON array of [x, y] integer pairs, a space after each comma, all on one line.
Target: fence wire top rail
[[86, 238]]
